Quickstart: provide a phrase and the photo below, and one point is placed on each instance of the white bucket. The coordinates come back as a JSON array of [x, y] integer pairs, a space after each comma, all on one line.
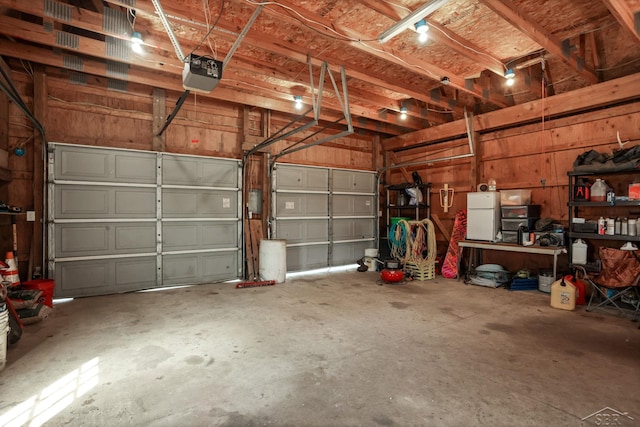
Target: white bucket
[[545, 280], [4, 331], [371, 253], [370, 256], [273, 260]]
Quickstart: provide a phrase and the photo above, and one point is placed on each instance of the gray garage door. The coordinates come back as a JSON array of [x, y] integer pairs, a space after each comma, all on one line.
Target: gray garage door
[[123, 220], [326, 215]]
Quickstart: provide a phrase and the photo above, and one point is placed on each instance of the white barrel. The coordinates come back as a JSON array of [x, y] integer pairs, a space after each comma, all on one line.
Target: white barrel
[[579, 252], [4, 329], [273, 260]]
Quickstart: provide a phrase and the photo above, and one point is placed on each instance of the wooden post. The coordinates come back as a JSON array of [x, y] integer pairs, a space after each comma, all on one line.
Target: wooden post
[[159, 118], [36, 258]]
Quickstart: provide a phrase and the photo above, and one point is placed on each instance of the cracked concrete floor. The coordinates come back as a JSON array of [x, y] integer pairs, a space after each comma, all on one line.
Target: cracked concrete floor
[[326, 349]]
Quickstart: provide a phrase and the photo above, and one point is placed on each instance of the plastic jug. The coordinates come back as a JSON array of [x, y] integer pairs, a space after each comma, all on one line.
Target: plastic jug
[[599, 191], [579, 252], [563, 294]]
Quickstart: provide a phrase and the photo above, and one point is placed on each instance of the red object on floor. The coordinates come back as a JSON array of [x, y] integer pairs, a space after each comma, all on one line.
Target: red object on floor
[[46, 286], [391, 276]]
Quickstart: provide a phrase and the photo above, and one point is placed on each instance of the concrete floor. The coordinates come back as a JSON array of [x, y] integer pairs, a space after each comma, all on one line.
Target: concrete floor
[[324, 349]]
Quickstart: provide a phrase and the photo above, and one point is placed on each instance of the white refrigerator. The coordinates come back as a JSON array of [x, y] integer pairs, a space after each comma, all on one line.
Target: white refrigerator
[[483, 215]]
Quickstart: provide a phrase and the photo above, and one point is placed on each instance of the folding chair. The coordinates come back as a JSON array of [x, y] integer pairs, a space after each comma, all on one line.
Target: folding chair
[[617, 286]]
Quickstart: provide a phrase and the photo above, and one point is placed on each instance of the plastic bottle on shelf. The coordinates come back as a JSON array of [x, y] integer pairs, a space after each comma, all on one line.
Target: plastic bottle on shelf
[[599, 191], [632, 227], [611, 226], [625, 226], [602, 226]]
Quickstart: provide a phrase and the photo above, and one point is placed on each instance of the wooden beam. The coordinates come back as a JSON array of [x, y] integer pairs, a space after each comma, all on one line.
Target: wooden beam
[[443, 36], [159, 143], [300, 53], [519, 19], [40, 98], [405, 173], [172, 80], [597, 96], [441, 227], [629, 19]]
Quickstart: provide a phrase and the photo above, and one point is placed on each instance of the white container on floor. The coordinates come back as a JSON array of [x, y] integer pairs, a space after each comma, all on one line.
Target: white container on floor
[[273, 260]]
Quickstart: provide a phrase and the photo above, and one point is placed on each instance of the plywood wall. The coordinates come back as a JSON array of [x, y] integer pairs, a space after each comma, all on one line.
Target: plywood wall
[[525, 157]]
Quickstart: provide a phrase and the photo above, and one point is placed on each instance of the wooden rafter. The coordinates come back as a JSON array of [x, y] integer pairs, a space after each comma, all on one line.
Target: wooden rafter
[[443, 36], [629, 19], [520, 20], [299, 53], [420, 67]]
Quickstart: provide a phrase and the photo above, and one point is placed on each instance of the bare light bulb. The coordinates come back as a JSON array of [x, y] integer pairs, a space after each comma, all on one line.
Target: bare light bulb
[[510, 82], [136, 42]]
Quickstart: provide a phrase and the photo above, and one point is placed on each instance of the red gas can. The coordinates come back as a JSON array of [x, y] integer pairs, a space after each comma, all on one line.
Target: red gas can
[[580, 289]]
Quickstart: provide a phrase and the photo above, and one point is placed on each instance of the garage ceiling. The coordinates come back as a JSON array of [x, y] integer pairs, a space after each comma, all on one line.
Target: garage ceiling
[[554, 46]]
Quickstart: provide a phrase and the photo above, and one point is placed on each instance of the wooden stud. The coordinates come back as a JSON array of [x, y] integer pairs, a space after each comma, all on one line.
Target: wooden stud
[[159, 119]]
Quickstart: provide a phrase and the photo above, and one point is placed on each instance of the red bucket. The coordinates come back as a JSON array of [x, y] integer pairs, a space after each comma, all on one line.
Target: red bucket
[[46, 286]]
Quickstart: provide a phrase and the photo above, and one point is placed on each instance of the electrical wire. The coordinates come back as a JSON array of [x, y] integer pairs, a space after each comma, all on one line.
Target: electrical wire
[[207, 17], [304, 20], [210, 29]]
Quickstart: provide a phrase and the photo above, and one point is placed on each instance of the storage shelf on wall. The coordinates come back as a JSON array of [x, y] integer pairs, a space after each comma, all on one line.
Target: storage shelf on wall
[[619, 179], [415, 212]]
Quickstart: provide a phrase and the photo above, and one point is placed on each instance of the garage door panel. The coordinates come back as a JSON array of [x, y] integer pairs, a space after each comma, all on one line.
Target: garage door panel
[[184, 203], [301, 231], [307, 257], [78, 163], [99, 202], [353, 205], [353, 181], [196, 171], [135, 202], [199, 267], [199, 235], [296, 205], [302, 178], [352, 228], [349, 252], [98, 239], [104, 276]]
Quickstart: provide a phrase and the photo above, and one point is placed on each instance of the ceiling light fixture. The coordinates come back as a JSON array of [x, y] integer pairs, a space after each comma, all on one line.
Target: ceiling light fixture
[[403, 112], [136, 42], [445, 81], [409, 20], [422, 29], [298, 100], [510, 76]]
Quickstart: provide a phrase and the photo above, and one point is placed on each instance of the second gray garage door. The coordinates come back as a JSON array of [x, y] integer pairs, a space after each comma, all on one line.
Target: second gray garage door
[[326, 215]]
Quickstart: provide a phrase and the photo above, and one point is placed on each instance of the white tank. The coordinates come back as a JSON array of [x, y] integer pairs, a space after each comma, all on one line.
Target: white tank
[[273, 260]]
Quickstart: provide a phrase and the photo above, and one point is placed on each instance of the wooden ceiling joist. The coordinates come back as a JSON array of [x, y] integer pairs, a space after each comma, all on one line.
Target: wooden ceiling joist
[[516, 17], [300, 54], [629, 19]]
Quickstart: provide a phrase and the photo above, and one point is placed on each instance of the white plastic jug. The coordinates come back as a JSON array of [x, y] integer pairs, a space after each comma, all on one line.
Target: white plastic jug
[[579, 252], [599, 191]]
